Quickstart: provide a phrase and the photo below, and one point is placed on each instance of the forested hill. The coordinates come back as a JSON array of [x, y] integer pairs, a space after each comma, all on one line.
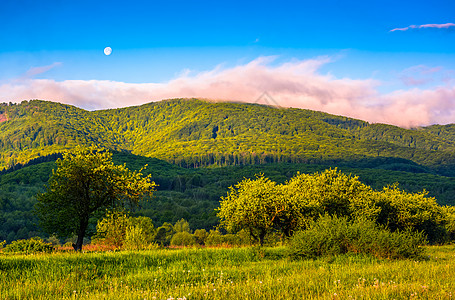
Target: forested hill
[[193, 133]]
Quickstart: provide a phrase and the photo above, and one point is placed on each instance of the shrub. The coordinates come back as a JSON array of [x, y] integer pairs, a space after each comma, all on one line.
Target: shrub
[[111, 229], [400, 210], [164, 234], [182, 226], [200, 235], [54, 240], [183, 238], [337, 235], [215, 238], [122, 231], [32, 245]]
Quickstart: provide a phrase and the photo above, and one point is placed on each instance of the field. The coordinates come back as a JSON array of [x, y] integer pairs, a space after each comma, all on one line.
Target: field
[[225, 273]]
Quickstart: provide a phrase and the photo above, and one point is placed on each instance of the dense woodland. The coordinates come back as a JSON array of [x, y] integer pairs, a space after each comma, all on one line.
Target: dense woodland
[[196, 149], [195, 133]]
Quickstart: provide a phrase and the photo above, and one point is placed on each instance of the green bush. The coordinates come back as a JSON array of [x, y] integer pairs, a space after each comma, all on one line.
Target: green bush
[[32, 245], [164, 234], [183, 238], [332, 235], [200, 235], [215, 238], [122, 231]]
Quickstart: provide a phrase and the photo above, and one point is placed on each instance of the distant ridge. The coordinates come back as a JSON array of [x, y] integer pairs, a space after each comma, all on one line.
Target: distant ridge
[[195, 133]]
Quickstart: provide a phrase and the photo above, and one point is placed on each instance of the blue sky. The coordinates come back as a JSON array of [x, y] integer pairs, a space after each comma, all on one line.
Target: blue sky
[[326, 55]]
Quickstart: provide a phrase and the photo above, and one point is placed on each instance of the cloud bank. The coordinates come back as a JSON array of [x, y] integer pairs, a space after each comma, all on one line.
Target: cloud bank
[[438, 26], [292, 84]]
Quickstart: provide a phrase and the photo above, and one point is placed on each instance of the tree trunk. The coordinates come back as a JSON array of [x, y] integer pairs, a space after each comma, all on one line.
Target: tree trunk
[[81, 234], [261, 237]]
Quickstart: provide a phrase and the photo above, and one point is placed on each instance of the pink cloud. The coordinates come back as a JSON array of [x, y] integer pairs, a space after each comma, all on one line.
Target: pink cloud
[[439, 26], [419, 75], [296, 83], [446, 25], [32, 72]]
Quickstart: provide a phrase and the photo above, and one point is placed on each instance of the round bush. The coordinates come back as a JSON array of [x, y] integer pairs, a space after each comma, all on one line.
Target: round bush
[[32, 245], [183, 239], [337, 235]]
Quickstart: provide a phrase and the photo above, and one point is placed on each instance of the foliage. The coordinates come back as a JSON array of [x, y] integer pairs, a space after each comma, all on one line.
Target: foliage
[[136, 238], [195, 203], [120, 230], [262, 206], [331, 192], [29, 246], [216, 238], [449, 217], [253, 205], [183, 238], [86, 182], [54, 240], [200, 235], [332, 235], [182, 226], [164, 234], [400, 210], [194, 133], [111, 229]]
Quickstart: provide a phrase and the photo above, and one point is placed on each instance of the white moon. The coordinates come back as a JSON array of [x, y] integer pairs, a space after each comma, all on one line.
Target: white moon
[[108, 50]]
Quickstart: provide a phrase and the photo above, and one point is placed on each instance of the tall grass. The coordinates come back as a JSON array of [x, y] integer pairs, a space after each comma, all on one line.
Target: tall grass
[[239, 273]]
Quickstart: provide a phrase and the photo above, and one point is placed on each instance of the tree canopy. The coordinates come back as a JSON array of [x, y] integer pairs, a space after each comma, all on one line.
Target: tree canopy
[[262, 206], [85, 182]]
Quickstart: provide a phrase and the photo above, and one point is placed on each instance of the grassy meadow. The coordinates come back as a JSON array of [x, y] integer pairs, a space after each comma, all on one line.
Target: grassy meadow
[[224, 273]]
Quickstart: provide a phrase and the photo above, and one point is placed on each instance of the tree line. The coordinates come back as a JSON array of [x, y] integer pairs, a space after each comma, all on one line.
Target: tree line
[[86, 182]]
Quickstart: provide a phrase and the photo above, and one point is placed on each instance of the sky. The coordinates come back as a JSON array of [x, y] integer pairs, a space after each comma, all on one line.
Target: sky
[[381, 61]]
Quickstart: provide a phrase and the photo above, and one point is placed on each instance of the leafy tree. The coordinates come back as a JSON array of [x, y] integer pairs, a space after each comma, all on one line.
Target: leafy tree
[[331, 192], [122, 231], [254, 205], [86, 182], [400, 210], [182, 226], [164, 234], [183, 238], [140, 234], [111, 229], [200, 235]]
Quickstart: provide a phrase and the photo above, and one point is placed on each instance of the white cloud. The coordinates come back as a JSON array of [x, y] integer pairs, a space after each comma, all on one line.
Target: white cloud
[[438, 26], [292, 84]]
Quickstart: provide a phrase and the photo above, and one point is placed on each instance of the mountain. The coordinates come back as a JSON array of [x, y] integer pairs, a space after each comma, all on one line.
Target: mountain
[[227, 141], [194, 133]]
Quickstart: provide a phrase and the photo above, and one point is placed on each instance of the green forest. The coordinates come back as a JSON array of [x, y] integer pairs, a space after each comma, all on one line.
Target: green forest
[[195, 133], [195, 150]]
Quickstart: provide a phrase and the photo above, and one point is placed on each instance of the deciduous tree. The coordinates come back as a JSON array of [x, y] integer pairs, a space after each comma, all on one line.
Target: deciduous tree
[[254, 205], [85, 182]]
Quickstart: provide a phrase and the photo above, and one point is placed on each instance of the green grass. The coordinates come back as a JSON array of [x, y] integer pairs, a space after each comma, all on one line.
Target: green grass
[[238, 273]]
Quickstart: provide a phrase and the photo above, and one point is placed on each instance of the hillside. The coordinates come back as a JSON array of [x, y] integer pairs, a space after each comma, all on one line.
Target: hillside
[[194, 133], [193, 193], [226, 141]]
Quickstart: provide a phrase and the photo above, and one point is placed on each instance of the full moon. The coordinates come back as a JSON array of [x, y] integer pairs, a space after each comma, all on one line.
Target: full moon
[[108, 50]]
